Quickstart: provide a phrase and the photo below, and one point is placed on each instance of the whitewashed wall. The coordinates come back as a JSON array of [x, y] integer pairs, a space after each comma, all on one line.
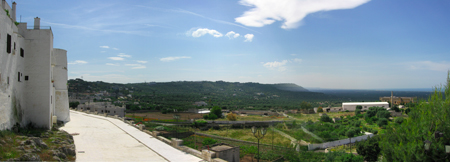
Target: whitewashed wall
[[338, 142], [59, 62]]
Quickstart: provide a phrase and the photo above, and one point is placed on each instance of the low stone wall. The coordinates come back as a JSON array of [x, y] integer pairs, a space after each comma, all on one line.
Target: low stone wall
[[338, 142]]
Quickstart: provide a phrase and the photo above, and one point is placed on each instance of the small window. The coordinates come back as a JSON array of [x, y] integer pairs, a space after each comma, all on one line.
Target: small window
[[26, 77], [8, 43], [22, 52], [7, 81], [18, 77], [14, 46]]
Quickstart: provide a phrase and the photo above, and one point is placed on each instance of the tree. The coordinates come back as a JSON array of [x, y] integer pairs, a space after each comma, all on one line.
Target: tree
[[357, 111], [395, 108], [400, 142], [383, 114], [305, 105], [325, 118], [216, 110], [74, 104], [369, 149], [358, 107], [382, 122]]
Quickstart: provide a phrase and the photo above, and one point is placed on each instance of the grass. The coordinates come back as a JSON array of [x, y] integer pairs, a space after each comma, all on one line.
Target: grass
[[10, 140], [316, 117], [247, 135], [256, 118]]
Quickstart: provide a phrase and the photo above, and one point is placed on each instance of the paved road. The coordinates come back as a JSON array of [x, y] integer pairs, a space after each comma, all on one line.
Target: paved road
[[108, 139]]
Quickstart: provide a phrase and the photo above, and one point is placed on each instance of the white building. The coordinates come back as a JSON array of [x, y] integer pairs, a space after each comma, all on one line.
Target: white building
[[33, 75], [103, 107], [351, 106]]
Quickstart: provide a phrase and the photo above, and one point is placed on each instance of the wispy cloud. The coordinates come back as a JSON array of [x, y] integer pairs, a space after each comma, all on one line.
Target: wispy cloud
[[293, 54], [167, 59], [123, 55], [248, 37], [429, 65], [104, 46], [232, 34], [291, 12], [77, 62], [136, 66], [111, 64], [276, 65], [203, 31], [115, 48], [142, 62], [69, 26], [297, 60], [116, 58]]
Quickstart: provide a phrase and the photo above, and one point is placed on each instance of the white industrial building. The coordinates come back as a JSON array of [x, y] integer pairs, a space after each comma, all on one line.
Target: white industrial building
[[351, 106], [33, 75]]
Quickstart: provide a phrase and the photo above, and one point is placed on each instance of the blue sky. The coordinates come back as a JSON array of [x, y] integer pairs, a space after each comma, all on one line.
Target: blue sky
[[341, 44]]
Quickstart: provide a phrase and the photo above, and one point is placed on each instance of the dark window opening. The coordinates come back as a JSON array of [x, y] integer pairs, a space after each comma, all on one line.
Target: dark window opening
[[8, 43], [22, 52], [18, 77], [26, 77], [14, 46], [7, 80]]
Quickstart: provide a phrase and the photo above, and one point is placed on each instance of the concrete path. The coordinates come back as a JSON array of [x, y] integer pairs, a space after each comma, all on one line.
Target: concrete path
[[108, 139]]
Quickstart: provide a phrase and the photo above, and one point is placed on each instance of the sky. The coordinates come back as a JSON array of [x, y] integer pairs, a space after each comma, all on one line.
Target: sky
[[337, 44]]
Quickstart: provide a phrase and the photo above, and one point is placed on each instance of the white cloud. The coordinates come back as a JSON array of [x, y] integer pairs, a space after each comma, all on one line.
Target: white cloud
[[278, 65], [136, 66], [291, 12], [297, 60], [123, 55], [77, 62], [111, 64], [142, 62], [248, 37], [104, 46], [429, 65], [232, 34], [115, 48], [293, 54], [116, 58], [167, 59], [202, 31]]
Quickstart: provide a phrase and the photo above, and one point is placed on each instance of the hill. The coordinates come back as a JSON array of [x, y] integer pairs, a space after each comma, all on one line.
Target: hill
[[232, 95]]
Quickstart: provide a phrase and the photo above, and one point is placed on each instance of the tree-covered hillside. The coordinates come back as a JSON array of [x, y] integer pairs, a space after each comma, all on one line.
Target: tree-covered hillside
[[224, 94]]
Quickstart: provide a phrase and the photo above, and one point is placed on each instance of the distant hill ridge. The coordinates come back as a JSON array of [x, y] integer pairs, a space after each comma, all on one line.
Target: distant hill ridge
[[290, 87]]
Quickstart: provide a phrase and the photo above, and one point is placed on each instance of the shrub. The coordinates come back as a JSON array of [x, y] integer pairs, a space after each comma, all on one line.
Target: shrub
[[232, 117], [216, 110], [209, 141], [212, 117], [369, 149], [382, 122], [320, 109], [399, 120], [395, 108]]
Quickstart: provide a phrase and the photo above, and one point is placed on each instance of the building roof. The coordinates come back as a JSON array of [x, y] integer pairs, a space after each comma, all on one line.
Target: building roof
[[363, 103]]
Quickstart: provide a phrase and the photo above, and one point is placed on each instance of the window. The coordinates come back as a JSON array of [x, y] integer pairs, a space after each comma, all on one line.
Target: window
[[8, 43], [22, 52], [14, 46], [26, 77], [7, 80], [18, 77]]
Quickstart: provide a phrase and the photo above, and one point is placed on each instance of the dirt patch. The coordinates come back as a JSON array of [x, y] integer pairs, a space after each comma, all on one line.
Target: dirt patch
[[159, 115]]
